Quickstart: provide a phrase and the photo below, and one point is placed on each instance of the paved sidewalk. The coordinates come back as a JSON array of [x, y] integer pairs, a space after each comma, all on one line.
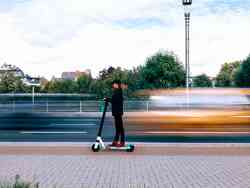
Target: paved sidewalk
[[193, 165]]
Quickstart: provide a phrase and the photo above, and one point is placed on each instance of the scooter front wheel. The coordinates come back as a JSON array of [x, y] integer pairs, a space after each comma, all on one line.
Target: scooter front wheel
[[95, 147], [131, 148]]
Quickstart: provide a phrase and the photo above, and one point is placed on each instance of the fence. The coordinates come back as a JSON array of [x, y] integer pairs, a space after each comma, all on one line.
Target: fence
[[95, 106], [79, 103], [68, 106]]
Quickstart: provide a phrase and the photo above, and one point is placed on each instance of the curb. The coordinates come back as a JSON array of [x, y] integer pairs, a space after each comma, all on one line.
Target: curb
[[141, 144]]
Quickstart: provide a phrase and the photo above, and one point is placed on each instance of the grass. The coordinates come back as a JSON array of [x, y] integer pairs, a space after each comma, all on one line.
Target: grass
[[18, 184]]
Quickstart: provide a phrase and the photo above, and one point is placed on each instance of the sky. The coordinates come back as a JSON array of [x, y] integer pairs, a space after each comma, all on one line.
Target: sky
[[47, 37]]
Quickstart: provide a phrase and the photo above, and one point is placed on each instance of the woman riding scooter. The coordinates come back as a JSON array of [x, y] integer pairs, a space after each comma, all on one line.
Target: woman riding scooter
[[117, 112]]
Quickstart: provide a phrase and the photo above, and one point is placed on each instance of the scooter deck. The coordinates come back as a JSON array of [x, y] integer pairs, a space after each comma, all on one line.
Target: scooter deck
[[128, 147]]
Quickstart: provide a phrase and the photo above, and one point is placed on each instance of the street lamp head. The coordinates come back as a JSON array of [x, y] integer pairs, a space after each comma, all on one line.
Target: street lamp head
[[186, 2]]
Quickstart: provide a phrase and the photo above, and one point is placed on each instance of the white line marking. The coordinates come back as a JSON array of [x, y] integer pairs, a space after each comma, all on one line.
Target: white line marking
[[81, 120], [53, 132], [90, 124]]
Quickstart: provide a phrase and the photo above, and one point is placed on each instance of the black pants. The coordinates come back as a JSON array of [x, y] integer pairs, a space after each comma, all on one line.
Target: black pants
[[119, 128]]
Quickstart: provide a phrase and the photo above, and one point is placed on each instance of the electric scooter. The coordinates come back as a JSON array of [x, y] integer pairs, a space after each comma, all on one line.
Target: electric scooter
[[99, 144]]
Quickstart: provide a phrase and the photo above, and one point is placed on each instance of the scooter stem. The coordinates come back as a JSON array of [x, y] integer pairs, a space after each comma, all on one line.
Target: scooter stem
[[102, 120]]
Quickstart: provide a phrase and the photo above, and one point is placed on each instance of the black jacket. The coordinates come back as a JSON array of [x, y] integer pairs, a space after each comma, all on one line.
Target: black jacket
[[117, 102]]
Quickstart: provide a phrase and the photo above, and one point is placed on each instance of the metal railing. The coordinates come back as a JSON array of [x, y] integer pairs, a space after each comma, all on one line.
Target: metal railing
[[97, 106], [68, 106], [81, 103]]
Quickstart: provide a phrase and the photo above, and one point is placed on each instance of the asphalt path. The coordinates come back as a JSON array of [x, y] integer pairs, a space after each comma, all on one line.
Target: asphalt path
[[52, 127], [83, 127]]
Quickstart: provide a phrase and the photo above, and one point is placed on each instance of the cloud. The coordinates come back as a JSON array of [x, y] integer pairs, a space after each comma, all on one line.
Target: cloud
[[47, 37]]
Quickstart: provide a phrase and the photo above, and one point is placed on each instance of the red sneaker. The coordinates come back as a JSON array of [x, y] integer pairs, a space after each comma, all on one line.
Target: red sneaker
[[114, 144], [121, 144]]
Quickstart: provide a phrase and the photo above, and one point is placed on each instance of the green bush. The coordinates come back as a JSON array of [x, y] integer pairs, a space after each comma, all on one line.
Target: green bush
[[18, 184]]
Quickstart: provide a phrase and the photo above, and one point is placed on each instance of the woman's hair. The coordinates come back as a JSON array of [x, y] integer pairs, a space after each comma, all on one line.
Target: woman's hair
[[116, 81]]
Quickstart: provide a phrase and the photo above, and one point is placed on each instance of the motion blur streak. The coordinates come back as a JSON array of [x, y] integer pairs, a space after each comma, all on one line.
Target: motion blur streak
[[189, 121], [199, 115], [193, 111], [201, 91]]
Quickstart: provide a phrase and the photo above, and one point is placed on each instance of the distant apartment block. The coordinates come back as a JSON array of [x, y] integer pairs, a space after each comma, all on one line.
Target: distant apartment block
[[7, 68], [75, 75], [17, 72]]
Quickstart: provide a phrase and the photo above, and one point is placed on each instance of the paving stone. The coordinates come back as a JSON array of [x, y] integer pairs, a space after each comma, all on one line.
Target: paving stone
[[128, 171]]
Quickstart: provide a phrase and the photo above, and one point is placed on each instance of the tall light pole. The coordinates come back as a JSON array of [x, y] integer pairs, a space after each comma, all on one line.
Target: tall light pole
[[33, 82], [33, 85], [187, 5], [33, 94]]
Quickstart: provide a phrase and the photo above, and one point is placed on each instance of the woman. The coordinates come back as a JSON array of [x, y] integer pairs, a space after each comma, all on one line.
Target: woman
[[117, 112]]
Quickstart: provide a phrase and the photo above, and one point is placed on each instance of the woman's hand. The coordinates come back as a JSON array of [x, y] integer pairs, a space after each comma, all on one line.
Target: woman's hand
[[106, 99]]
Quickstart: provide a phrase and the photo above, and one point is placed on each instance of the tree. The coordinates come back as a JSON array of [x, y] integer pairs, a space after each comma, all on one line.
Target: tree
[[52, 86], [83, 83], [242, 75], [68, 86], [7, 83], [225, 78], [202, 81], [105, 73], [162, 70], [10, 83], [61, 86], [102, 85]]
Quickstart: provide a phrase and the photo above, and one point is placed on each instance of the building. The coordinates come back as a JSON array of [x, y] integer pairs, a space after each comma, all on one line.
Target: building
[[75, 75], [31, 81], [7, 68], [17, 72]]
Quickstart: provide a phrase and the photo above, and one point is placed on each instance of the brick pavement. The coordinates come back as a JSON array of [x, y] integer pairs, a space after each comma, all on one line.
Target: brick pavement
[[117, 170]]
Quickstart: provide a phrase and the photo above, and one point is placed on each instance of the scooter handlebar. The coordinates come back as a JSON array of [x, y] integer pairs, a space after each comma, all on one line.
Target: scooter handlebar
[[106, 99]]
